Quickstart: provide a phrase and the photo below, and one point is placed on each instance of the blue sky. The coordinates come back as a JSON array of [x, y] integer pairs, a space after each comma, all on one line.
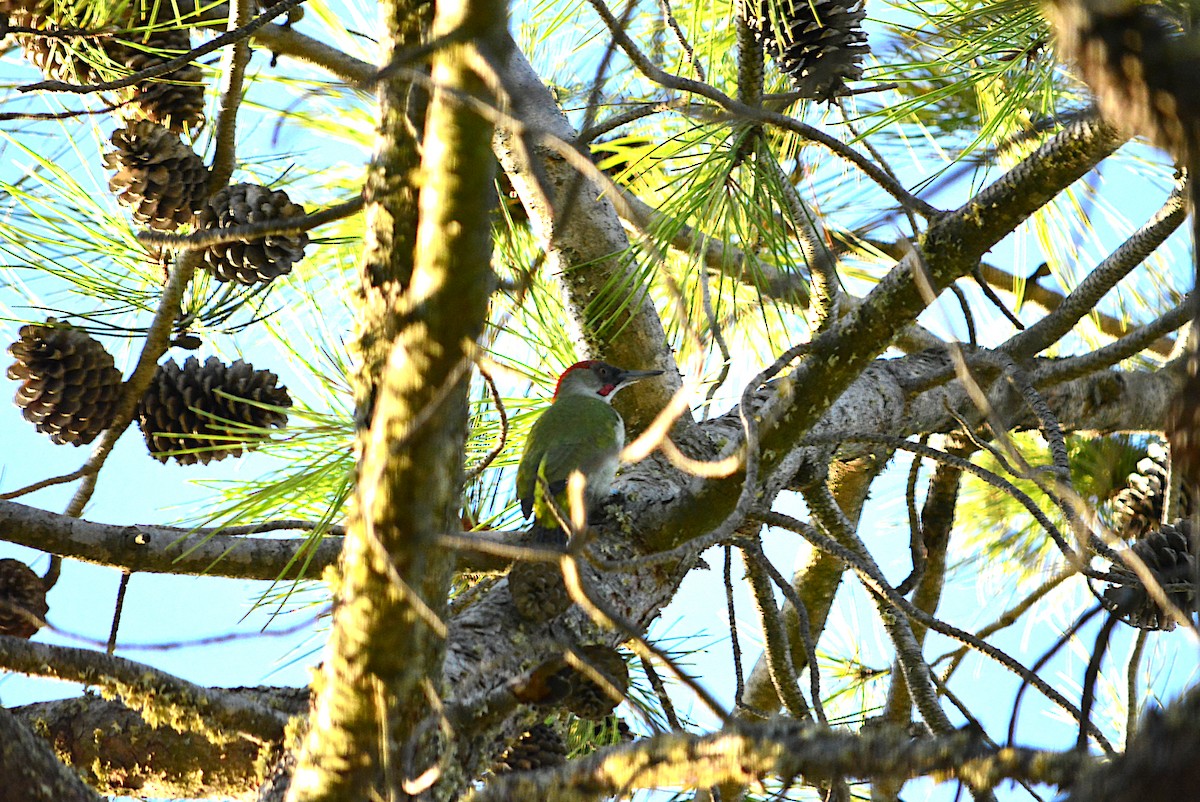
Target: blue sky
[[161, 610]]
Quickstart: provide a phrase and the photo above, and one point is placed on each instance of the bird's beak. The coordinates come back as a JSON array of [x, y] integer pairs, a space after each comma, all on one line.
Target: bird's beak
[[631, 376]]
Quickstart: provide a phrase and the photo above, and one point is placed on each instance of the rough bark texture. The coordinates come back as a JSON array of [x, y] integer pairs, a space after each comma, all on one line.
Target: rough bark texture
[[391, 195], [587, 250], [785, 749], [118, 753], [383, 661], [29, 771], [390, 671], [1158, 766]]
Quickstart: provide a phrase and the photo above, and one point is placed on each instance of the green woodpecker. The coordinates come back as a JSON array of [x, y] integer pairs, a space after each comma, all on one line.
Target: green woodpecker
[[579, 432]]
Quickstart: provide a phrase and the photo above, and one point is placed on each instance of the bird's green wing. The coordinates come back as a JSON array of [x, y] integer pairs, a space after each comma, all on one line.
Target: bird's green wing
[[568, 435]]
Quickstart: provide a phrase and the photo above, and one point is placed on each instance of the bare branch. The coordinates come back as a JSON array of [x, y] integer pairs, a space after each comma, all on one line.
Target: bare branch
[[747, 754], [160, 697]]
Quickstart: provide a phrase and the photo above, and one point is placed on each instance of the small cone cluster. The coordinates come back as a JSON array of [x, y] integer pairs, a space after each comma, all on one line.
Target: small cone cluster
[[208, 411], [22, 594], [819, 43], [251, 260], [1138, 507], [586, 698], [537, 590], [539, 747], [69, 384], [174, 100], [158, 177]]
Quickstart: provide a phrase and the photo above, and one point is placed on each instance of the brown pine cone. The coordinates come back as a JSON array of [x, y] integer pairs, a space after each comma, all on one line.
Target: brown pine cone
[[257, 260], [20, 590], [201, 410], [537, 590], [1170, 554], [161, 179], [1138, 507], [538, 748], [587, 699], [174, 100], [819, 43], [69, 385]]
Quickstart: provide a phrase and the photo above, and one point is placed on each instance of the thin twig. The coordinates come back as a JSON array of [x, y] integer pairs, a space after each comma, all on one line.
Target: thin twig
[[598, 130], [1006, 619], [968, 318], [802, 624], [879, 586], [916, 672], [233, 72], [681, 38], [990, 294], [60, 115], [490, 457], [248, 231], [1132, 707], [739, 678], [660, 690], [776, 647], [43, 484], [111, 645], [916, 537]]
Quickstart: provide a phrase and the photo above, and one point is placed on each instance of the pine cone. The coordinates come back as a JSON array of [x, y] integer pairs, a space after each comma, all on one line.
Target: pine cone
[[1169, 553], [538, 591], [1138, 507], [254, 260], [585, 698], [1139, 65], [538, 748], [69, 385], [819, 43], [60, 59], [159, 177], [190, 409], [20, 589], [176, 99]]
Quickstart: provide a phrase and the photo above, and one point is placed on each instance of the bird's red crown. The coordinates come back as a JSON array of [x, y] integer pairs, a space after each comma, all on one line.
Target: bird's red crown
[[586, 364]]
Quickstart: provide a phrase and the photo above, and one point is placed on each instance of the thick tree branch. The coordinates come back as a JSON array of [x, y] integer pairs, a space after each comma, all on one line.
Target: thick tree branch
[[29, 771], [222, 551], [165, 550], [118, 753], [383, 665], [160, 698], [587, 249], [1084, 298], [951, 247], [747, 754]]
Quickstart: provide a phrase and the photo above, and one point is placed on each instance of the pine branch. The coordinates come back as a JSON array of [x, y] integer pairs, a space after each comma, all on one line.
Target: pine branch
[[747, 754], [158, 696]]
